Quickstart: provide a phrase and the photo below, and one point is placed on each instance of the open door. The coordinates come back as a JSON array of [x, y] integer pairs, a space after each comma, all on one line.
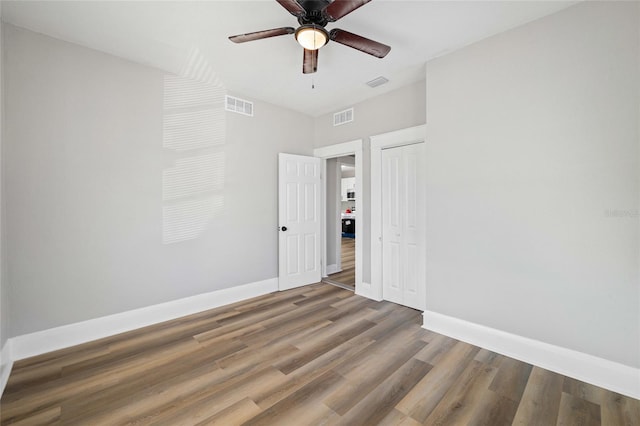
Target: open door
[[299, 220]]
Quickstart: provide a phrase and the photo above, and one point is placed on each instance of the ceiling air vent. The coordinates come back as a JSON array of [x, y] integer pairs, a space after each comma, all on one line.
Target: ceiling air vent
[[377, 82], [343, 117], [238, 105]]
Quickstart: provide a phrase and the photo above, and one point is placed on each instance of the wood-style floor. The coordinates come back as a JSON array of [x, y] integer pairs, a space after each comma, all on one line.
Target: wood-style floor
[[308, 356], [347, 276]]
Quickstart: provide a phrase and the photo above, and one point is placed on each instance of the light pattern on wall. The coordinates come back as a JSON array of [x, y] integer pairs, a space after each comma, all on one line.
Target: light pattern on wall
[[198, 175], [194, 135]]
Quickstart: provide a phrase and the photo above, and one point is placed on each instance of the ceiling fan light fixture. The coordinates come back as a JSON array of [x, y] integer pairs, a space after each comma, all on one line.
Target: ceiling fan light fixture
[[312, 37]]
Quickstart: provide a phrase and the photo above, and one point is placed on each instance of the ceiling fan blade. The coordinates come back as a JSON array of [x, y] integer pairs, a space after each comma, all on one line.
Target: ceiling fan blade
[[241, 38], [293, 7], [360, 43], [310, 61], [340, 8]]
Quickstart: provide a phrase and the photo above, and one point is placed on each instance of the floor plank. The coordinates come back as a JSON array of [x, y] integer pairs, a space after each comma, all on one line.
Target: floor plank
[[576, 411], [540, 402], [347, 276], [314, 355], [459, 403]]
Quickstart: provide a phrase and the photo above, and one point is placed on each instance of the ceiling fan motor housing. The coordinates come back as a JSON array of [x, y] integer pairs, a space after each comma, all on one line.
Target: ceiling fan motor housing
[[314, 12]]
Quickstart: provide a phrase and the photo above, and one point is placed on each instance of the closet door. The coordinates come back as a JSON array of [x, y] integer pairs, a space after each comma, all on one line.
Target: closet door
[[403, 229]]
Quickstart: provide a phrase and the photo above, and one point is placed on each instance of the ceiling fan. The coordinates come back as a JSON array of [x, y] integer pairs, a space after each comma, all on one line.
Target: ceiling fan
[[313, 16]]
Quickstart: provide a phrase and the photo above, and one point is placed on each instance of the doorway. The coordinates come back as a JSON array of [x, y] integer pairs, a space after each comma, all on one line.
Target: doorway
[[341, 222], [342, 257]]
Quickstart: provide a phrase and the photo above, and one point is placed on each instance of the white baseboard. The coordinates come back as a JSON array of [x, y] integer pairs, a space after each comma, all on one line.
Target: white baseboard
[[332, 269], [6, 363], [41, 342], [587, 368]]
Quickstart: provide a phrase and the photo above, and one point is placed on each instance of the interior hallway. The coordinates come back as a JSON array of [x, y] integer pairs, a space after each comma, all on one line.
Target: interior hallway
[[346, 277]]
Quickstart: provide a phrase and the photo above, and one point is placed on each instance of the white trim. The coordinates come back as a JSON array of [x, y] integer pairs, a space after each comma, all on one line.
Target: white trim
[[364, 290], [402, 137], [324, 269], [6, 364], [332, 269], [587, 368], [337, 267], [339, 150], [337, 236], [74, 334]]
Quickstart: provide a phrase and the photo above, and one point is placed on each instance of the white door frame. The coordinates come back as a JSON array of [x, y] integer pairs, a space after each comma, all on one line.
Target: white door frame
[[402, 137], [337, 237], [334, 151]]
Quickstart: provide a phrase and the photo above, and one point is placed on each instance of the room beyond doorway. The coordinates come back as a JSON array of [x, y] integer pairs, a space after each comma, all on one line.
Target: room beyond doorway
[[347, 277], [341, 221], [348, 153]]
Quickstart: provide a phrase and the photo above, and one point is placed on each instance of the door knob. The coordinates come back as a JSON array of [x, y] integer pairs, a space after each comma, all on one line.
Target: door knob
[[283, 229]]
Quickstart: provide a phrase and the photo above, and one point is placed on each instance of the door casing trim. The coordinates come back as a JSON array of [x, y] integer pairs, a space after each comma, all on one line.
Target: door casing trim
[[334, 151]]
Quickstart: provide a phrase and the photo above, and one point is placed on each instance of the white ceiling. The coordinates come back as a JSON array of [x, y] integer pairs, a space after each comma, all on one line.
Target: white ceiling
[[168, 34]]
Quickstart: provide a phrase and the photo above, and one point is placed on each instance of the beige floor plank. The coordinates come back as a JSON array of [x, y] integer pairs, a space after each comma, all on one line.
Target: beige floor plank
[[576, 411], [511, 379], [396, 418], [368, 376], [494, 410], [301, 404], [235, 414], [427, 394], [196, 408], [313, 355], [540, 402], [458, 405], [378, 403], [47, 416], [347, 276]]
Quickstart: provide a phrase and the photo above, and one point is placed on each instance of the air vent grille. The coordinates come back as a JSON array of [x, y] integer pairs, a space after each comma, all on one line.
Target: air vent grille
[[377, 82], [343, 117], [238, 105]]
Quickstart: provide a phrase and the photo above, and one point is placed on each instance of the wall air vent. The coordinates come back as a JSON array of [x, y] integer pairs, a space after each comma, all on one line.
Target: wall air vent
[[343, 117], [377, 82], [238, 105]]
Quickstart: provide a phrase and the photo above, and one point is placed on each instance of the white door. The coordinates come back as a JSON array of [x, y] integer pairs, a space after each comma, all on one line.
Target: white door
[[299, 220], [403, 228]]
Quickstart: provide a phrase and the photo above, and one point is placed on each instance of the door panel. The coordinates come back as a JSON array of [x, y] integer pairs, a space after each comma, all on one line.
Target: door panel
[[310, 252], [403, 230], [299, 214], [391, 229], [412, 266], [292, 202]]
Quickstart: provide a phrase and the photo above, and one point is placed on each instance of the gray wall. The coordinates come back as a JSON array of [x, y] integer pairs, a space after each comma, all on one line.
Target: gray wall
[[532, 181], [84, 165], [398, 109]]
